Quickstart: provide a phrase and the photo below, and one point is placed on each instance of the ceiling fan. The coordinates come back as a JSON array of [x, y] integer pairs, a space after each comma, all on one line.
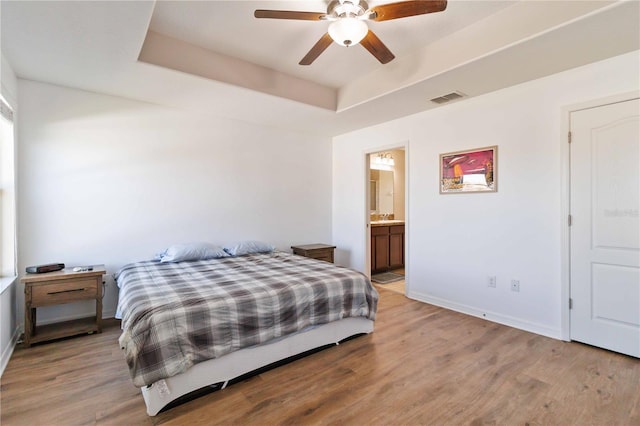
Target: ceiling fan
[[348, 26]]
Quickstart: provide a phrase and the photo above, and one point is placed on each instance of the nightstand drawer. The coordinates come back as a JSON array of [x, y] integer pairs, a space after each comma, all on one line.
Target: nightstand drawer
[[326, 255], [315, 251], [53, 293]]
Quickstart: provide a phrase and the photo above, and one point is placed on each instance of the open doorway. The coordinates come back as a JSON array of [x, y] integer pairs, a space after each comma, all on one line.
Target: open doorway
[[387, 219]]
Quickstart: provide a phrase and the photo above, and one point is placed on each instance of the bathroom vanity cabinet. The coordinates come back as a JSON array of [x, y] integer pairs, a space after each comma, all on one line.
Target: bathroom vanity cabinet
[[387, 246]]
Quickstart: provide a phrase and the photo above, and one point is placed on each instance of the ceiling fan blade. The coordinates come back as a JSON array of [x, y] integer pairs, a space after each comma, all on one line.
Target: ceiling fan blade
[[404, 9], [322, 44], [290, 14], [376, 47]]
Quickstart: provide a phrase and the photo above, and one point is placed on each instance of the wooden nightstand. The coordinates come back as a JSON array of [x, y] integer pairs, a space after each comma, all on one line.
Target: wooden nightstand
[[315, 251], [56, 288]]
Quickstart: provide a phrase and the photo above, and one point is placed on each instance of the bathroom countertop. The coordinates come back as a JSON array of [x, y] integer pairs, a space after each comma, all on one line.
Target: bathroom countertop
[[375, 223]]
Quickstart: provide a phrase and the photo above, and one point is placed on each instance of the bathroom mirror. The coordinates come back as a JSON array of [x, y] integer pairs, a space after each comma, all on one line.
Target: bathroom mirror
[[373, 195], [381, 191]]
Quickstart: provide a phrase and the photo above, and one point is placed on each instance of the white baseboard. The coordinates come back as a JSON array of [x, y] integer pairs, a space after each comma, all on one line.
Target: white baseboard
[[554, 333], [8, 351]]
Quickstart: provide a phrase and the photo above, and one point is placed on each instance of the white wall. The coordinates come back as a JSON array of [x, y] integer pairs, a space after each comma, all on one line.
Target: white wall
[[109, 180], [8, 323], [456, 241]]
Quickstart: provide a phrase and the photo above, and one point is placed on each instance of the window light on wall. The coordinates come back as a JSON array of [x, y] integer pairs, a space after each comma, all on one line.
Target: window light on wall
[[7, 193]]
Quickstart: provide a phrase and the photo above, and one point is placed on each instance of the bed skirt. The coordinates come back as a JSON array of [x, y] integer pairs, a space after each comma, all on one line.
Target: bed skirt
[[230, 366]]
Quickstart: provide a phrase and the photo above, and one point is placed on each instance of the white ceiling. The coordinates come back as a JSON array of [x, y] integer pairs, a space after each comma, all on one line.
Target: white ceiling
[[228, 27], [216, 58]]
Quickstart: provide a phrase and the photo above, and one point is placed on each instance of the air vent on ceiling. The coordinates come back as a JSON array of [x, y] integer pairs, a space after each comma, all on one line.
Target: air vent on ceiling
[[449, 97]]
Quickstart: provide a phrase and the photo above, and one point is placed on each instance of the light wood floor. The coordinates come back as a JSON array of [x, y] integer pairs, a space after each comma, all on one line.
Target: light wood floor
[[422, 365], [396, 287]]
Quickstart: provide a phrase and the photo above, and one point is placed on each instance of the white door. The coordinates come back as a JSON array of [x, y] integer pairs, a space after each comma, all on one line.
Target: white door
[[605, 228]]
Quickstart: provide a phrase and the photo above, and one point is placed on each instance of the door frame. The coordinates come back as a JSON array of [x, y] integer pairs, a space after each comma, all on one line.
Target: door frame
[[367, 213], [565, 208]]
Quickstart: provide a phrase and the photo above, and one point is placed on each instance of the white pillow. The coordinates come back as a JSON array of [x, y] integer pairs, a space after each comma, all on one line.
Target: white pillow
[[249, 247], [191, 251]]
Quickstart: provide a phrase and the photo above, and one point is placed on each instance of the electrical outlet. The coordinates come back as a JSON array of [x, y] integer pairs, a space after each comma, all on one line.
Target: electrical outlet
[[492, 281], [515, 285]]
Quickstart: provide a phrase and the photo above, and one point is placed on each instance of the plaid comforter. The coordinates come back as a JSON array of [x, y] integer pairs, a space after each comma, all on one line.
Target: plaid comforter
[[175, 315]]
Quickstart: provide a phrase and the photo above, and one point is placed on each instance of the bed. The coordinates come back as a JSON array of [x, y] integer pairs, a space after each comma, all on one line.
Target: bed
[[192, 324]]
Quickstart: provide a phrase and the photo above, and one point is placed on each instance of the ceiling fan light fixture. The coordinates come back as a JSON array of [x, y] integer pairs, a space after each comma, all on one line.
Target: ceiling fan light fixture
[[348, 25], [348, 31]]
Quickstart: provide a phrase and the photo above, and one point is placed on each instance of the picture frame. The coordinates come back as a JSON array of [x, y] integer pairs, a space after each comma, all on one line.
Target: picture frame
[[469, 171]]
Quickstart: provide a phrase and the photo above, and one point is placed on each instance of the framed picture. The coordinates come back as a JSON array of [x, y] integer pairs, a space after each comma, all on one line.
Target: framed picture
[[469, 171]]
